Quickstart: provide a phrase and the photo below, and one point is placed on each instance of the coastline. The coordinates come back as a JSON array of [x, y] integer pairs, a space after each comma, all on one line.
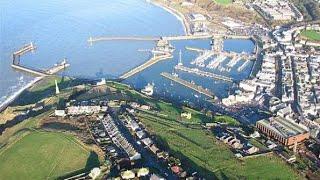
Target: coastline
[[13, 97], [177, 14], [172, 11]]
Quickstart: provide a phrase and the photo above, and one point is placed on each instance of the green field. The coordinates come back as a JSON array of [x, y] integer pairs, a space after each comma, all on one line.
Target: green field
[[199, 150], [223, 2], [44, 155], [311, 35], [227, 120]]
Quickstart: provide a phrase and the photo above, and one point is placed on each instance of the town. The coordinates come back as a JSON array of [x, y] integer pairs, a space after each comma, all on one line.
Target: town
[[264, 124]]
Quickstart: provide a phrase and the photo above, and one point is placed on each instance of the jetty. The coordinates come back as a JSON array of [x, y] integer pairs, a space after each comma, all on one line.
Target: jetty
[[203, 73], [37, 72], [123, 38], [233, 61], [188, 84], [218, 38], [152, 61], [29, 70], [200, 60], [216, 62], [244, 65], [25, 49], [146, 38], [195, 49], [218, 44]]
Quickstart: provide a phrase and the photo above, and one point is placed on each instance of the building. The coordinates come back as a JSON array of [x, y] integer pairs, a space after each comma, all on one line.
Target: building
[[285, 131], [60, 113], [278, 10], [83, 110], [186, 115]]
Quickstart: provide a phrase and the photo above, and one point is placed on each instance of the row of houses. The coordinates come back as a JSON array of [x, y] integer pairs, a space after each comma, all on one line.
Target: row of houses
[[286, 69], [242, 148], [118, 138], [278, 10], [250, 89], [143, 137], [75, 108], [306, 68]]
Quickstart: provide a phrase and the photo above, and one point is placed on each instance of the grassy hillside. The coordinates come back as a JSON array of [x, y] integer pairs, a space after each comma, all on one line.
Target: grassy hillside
[[223, 2], [311, 35], [199, 150]]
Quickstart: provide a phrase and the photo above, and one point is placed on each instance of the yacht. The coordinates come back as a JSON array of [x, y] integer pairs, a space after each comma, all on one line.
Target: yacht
[[148, 89]]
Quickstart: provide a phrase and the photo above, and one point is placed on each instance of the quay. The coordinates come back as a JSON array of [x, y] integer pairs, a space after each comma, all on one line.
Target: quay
[[195, 49], [58, 67], [133, 38], [218, 44], [37, 72], [145, 65], [244, 65], [28, 48], [203, 73], [29, 70], [230, 54], [190, 85], [168, 38], [25, 49], [186, 37]]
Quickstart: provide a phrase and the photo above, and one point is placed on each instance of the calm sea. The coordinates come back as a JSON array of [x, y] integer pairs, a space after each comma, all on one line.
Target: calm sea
[[60, 29]]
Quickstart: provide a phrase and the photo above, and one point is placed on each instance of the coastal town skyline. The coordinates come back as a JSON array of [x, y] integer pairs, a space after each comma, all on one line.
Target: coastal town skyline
[[158, 89]]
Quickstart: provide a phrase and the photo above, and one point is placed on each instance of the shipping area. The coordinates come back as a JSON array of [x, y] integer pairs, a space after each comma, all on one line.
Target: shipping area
[[164, 50], [235, 95]]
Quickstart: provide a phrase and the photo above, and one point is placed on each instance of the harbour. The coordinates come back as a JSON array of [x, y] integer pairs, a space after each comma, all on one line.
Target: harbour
[[204, 73], [16, 64], [40, 74], [128, 63]]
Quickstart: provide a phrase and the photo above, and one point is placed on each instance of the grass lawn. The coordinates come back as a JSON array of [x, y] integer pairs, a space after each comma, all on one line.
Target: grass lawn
[[226, 119], [223, 2], [200, 151], [197, 148], [44, 155], [311, 35]]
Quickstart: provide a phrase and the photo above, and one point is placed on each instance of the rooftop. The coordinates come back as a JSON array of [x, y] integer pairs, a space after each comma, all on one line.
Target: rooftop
[[283, 127]]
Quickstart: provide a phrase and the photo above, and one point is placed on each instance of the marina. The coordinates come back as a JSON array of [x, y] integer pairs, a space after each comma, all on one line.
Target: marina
[[244, 65], [216, 62], [127, 61], [233, 61], [134, 110], [203, 73], [200, 60]]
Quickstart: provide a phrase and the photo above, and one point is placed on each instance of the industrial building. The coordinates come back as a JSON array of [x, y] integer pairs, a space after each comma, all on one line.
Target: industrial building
[[285, 131]]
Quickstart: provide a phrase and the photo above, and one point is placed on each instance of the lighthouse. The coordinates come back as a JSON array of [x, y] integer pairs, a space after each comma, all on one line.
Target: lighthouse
[[57, 88]]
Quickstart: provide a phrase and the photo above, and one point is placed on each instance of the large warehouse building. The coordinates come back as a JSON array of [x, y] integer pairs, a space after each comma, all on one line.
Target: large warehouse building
[[285, 131]]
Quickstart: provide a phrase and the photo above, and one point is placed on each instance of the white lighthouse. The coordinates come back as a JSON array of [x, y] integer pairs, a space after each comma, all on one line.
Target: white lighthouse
[[57, 88]]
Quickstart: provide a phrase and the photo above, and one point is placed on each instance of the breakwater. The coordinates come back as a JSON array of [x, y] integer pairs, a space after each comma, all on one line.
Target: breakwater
[[188, 84]]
